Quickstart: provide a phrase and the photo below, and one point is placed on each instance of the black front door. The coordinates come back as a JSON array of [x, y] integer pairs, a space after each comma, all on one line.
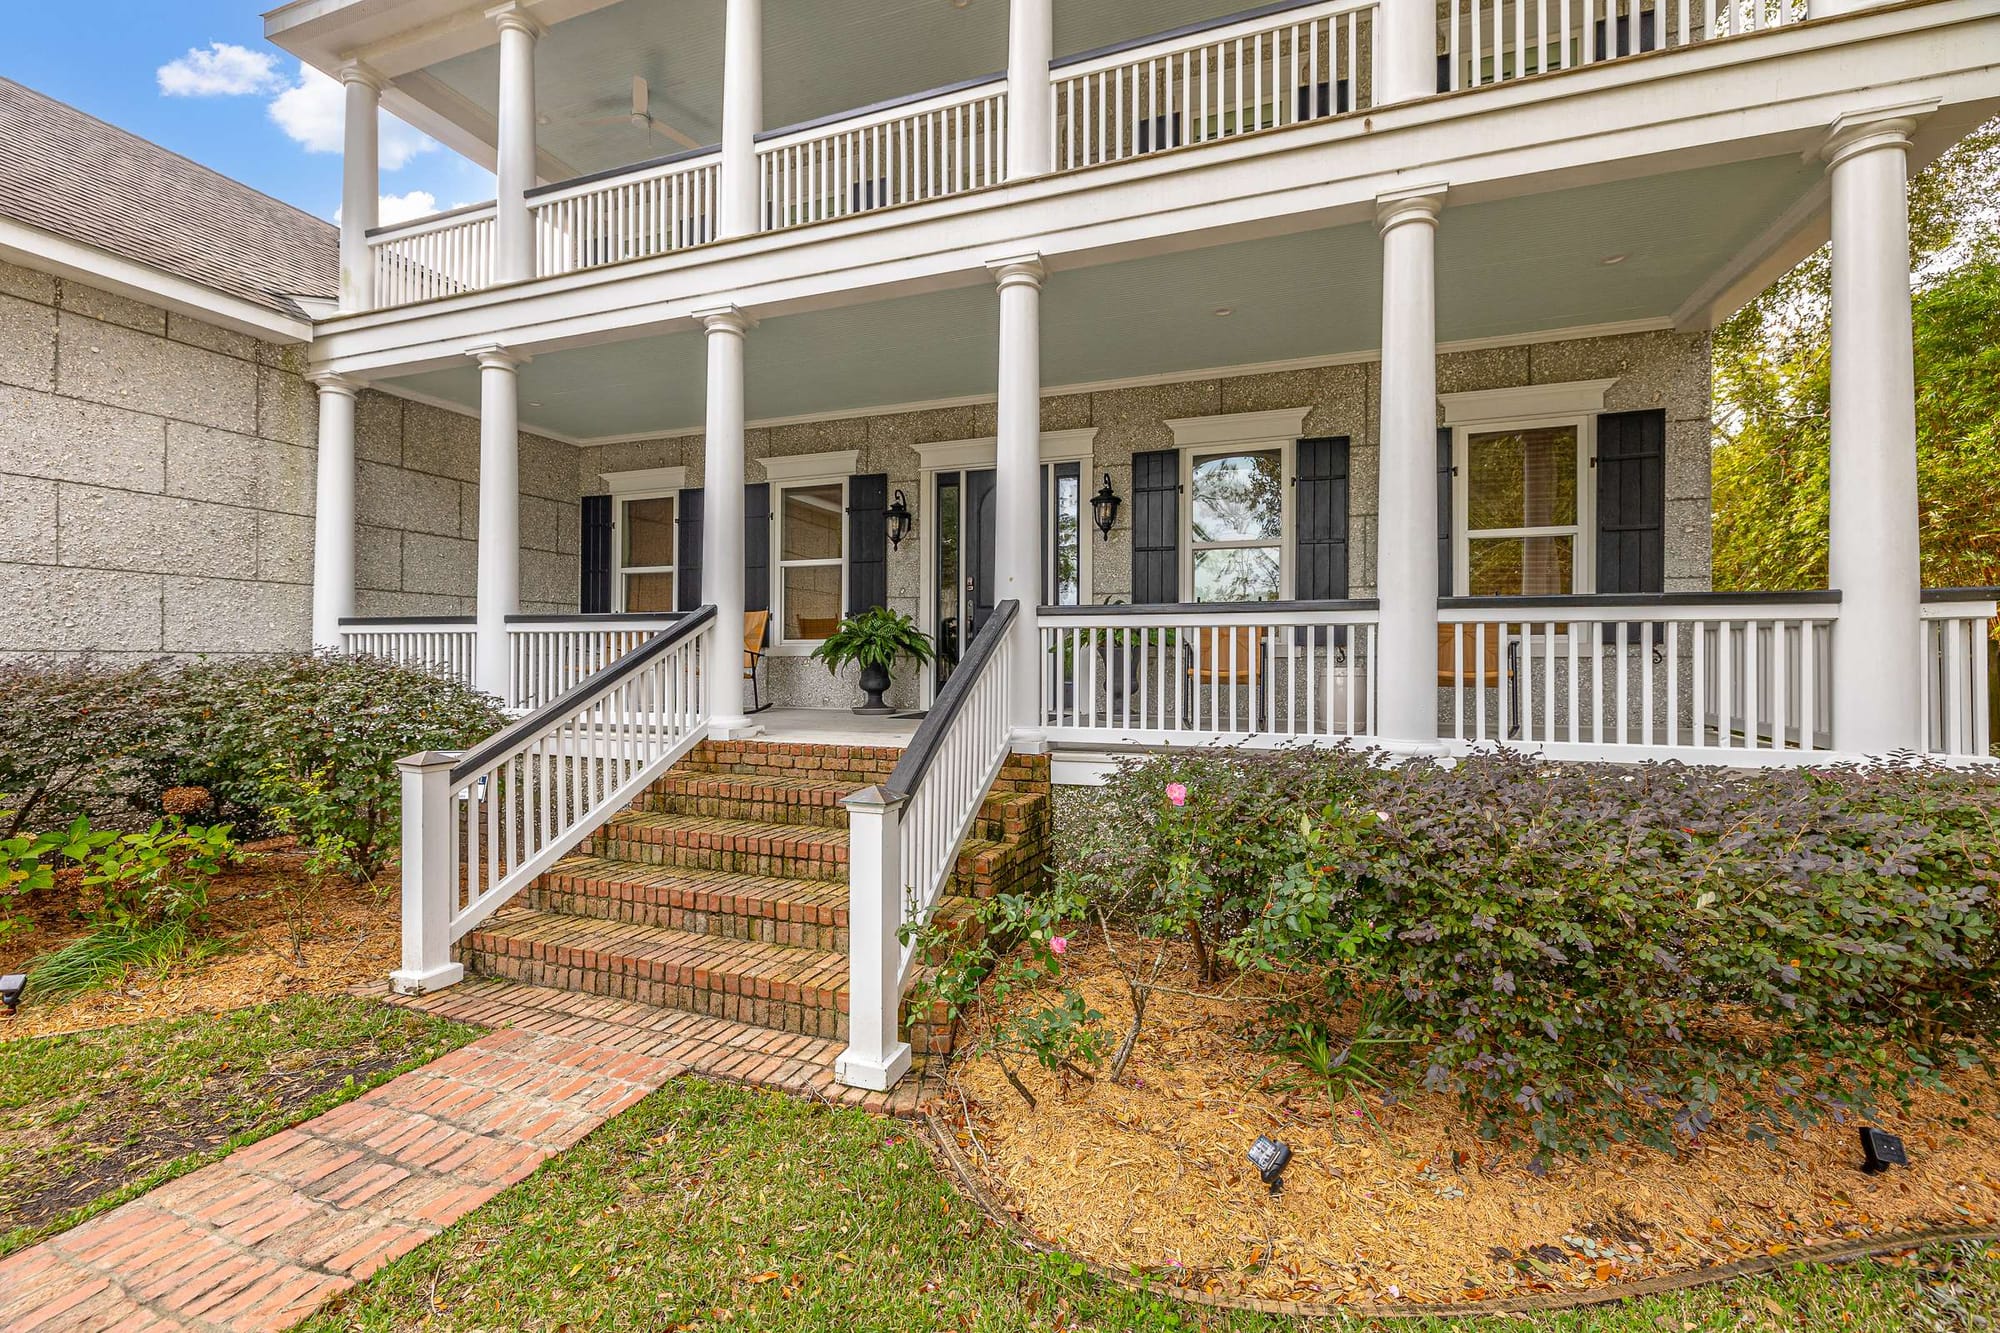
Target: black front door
[[963, 551]]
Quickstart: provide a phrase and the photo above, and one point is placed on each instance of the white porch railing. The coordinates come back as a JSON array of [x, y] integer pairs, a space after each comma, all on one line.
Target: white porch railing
[[1709, 678], [943, 143], [478, 828], [630, 215], [433, 257], [903, 841], [1493, 41], [1216, 83], [1957, 664], [1272, 672], [441, 645], [552, 655]]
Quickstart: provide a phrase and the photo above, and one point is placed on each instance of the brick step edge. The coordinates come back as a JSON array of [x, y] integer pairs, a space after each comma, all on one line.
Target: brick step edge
[[595, 893]]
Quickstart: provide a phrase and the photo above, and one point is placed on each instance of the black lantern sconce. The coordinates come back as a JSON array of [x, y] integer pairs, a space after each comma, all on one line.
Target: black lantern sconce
[[899, 519], [1104, 507]]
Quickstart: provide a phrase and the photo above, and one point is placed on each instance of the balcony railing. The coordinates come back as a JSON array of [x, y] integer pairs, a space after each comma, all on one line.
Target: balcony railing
[[445, 255], [626, 214], [548, 656], [1495, 41]]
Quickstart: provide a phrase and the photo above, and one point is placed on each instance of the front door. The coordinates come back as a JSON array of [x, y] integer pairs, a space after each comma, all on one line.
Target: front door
[[963, 551]]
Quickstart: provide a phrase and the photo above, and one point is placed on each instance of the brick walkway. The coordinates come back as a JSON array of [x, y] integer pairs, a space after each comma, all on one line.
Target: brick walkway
[[261, 1238]]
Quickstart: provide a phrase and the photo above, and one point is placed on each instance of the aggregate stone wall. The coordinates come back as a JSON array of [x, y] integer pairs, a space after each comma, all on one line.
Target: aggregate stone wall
[[157, 479]]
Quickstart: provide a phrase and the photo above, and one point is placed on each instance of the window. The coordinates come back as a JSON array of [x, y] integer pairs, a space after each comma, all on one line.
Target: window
[[812, 550], [1062, 535], [1236, 521], [1523, 529], [646, 554]]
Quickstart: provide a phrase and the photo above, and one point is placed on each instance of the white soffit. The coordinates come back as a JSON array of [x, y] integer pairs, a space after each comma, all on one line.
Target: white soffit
[[1575, 399], [1284, 424]]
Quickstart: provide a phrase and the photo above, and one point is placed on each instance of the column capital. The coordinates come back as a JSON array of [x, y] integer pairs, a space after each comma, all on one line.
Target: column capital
[[727, 318], [1018, 270], [1417, 203], [493, 356], [344, 385], [514, 17], [1889, 126], [358, 71]]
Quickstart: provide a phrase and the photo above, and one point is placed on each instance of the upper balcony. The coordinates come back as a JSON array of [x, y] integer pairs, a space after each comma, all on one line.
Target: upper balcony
[[612, 81]]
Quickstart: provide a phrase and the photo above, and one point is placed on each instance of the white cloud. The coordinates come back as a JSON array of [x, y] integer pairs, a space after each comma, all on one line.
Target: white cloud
[[393, 208], [312, 113], [223, 70]]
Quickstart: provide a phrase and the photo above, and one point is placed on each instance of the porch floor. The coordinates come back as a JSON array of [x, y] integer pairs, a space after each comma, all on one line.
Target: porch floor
[[833, 726]]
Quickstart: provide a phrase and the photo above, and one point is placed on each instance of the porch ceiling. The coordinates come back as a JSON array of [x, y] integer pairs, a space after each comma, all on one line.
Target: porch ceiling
[[1520, 266]]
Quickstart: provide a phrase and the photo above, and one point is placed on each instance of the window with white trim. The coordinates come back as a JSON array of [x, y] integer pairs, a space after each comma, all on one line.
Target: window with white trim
[[1236, 524], [646, 547], [811, 559], [1523, 522]]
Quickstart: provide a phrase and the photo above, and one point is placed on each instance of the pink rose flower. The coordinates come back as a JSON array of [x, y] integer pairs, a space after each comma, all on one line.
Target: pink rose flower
[[1177, 793], [1059, 944]]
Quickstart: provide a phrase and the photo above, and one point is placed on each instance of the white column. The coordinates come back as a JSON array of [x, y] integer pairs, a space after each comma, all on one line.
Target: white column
[[722, 515], [1017, 461], [1406, 543], [514, 164], [742, 116], [1030, 103], [429, 876], [499, 591], [360, 185], [876, 1056], [1407, 50], [333, 511], [1873, 510]]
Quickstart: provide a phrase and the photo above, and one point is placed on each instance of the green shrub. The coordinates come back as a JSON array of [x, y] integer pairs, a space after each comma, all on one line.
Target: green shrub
[[1589, 953], [71, 736]]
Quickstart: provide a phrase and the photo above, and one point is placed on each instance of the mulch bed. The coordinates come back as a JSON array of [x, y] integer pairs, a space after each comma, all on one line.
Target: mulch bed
[[1148, 1178]]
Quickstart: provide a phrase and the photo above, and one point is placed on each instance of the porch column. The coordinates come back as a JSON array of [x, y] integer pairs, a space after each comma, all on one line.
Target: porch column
[[1406, 574], [1030, 104], [1873, 510], [360, 185], [514, 233], [1409, 50], [499, 591], [1017, 460], [742, 116], [722, 515], [333, 511]]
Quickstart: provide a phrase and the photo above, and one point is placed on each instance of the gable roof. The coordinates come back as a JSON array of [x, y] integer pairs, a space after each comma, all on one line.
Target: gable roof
[[74, 176]]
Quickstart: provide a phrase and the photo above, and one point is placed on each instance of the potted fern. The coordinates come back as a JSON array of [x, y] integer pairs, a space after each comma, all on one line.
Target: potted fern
[[873, 640]]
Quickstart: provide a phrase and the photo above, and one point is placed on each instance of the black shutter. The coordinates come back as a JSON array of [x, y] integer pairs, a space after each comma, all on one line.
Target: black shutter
[[1320, 570], [1156, 527], [867, 542], [687, 557], [1444, 73], [1631, 502], [757, 546], [593, 597], [1444, 511]]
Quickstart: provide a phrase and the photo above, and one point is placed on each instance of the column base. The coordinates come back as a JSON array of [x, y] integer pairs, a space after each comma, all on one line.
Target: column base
[[1030, 740], [405, 982], [854, 1070], [733, 729]]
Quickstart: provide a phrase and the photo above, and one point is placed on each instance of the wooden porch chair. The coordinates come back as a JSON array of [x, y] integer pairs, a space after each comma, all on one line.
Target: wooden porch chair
[[1482, 671], [756, 624], [1226, 657]]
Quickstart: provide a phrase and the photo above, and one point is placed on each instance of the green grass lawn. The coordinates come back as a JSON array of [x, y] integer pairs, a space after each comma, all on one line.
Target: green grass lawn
[[710, 1207], [92, 1119]]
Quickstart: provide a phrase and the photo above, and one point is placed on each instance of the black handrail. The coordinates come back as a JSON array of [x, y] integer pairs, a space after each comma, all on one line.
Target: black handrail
[[1663, 600], [1210, 608], [923, 747], [1937, 595], [506, 739], [613, 618], [422, 622]]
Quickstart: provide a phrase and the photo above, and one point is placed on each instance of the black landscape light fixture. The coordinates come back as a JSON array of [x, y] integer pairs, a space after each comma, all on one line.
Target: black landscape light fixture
[[1270, 1156], [11, 987], [1104, 507], [900, 521], [1881, 1150]]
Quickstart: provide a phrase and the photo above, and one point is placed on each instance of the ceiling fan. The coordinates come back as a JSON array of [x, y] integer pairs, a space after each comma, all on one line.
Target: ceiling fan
[[642, 117]]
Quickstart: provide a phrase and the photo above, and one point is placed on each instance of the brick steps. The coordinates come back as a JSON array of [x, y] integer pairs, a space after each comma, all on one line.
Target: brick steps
[[741, 846], [804, 913], [767, 798]]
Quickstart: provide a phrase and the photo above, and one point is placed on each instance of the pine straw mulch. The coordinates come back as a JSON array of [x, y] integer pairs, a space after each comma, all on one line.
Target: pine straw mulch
[[1149, 1176], [350, 938]]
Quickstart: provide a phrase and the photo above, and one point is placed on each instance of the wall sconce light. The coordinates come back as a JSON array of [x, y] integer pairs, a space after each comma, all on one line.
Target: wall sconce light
[[1104, 507], [900, 520], [1270, 1156]]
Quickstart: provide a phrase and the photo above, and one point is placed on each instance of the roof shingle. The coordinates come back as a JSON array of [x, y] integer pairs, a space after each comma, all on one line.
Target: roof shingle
[[70, 174]]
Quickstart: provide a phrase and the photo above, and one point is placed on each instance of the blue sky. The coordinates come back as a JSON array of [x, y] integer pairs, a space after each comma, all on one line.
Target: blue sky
[[106, 56]]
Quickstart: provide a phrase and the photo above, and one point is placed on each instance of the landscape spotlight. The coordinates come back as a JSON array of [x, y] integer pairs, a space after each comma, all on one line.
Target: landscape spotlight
[[11, 987], [1882, 1151], [1270, 1157]]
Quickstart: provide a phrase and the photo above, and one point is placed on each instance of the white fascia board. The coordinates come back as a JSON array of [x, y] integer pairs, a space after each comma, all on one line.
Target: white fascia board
[[1525, 402], [1667, 110], [1234, 428], [32, 248]]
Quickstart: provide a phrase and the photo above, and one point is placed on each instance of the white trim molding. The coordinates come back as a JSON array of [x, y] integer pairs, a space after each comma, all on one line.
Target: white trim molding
[[1525, 402], [1058, 446], [646, 479], [789, 469], [1280, 426]]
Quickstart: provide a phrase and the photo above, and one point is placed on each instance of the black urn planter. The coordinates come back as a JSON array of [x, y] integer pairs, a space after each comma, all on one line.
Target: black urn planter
[[874, 683]]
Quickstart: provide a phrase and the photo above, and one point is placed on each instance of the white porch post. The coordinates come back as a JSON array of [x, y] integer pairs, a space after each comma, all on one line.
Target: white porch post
[[1017, 460], [1030, 102], [428, 882], [360, 185], [333, 511], [875, 1056], [514, 232], [722, 515], [742, 116], [1873, 505], [1406, 574], [1406, 50], [499, 592]]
